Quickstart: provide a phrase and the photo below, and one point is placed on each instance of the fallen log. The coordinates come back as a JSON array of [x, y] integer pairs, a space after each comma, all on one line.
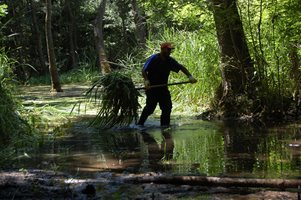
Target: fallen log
[[217, 181]]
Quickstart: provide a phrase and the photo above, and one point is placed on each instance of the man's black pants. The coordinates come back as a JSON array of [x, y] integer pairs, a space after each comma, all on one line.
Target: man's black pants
[[153, 97]]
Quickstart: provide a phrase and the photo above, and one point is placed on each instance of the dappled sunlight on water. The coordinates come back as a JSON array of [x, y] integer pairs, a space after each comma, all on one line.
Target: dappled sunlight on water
[[188, 147]]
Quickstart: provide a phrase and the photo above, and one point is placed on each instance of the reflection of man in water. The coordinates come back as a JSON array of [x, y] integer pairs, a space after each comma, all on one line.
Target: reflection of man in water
[[158, 152]]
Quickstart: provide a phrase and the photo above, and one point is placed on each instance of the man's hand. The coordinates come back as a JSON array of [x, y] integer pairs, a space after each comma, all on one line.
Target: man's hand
[[146, 84], [192, 79]]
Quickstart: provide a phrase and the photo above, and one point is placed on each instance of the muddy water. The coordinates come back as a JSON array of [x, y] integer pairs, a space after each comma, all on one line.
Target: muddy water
[[189, 147]]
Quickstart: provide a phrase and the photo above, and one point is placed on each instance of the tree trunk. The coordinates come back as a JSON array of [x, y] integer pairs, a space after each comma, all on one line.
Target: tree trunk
[[72, 35], [236, 64], [37, 39], [295, 73], [98, 34], [140, 22], [56, 86], [217, 181]]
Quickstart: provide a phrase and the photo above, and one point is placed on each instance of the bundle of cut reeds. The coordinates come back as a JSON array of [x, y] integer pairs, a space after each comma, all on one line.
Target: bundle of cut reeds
[[117, 98]]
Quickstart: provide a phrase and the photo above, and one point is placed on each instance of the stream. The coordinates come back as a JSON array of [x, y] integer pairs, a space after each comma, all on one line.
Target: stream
[[86, 156], [86, 163], [188, 147]]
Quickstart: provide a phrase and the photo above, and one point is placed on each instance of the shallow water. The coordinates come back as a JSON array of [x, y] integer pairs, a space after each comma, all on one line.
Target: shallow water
[[189, 147]]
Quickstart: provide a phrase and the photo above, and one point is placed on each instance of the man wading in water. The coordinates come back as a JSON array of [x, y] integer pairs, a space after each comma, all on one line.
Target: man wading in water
[[155, 72]]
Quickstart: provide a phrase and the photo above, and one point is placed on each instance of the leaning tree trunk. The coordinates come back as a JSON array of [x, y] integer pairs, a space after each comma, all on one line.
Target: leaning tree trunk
[[56, 86], [236, 64], [140, 22], [98, 34]]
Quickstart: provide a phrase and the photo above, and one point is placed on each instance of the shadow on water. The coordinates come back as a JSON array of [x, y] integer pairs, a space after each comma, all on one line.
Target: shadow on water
[[188, 147]]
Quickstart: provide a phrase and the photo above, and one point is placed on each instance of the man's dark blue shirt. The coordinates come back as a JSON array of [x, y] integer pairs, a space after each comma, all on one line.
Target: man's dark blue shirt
[[158, 69]]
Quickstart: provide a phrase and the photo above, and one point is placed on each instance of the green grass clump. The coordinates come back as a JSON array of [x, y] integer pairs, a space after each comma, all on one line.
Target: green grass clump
[[117, 98], [16, 134], [11, 123]]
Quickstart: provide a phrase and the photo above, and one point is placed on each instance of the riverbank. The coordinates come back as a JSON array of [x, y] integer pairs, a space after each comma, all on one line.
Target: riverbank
[[40, 184]]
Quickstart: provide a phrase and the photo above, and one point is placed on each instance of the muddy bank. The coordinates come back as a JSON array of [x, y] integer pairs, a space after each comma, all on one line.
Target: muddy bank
[[39, 184]]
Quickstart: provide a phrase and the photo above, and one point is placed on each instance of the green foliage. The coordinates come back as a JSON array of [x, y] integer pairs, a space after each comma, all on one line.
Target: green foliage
[[197, 51], [119, 29], [178, 14], [287, 19], [89, 6], [271, 30], [8, 119], [188, 16], [12, 125], [6, 71], [3, 10], [117, 99]]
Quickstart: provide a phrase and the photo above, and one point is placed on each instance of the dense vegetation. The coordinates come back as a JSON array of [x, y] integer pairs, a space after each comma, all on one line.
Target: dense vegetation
[[15, 130], [245, 54]]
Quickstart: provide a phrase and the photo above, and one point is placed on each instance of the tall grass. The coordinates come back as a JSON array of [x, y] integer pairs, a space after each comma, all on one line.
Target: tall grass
[[11, 123], [269, 39], [198, 52], [15, 131]]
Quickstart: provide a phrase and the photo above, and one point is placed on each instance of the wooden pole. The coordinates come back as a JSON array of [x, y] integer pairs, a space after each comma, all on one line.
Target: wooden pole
[[164, 85]]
